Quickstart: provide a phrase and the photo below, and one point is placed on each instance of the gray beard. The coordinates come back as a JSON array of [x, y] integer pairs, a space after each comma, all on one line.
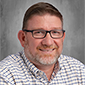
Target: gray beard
[[44, 60]]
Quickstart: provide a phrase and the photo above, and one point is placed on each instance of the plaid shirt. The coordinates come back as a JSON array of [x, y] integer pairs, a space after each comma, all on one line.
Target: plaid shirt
[[18, 70]]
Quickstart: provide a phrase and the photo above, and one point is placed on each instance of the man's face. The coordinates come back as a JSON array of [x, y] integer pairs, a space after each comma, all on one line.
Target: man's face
[[44, 51]]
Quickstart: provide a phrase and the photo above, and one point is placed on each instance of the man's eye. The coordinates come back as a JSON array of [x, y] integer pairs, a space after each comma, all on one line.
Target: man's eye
[[38, 32], [55, 32]]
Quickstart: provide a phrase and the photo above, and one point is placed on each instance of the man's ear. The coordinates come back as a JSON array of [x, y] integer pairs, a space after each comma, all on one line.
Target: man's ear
[[21, 37]]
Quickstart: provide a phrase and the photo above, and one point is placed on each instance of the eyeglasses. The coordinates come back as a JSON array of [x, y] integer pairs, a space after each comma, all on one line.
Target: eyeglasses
[[40, 34]]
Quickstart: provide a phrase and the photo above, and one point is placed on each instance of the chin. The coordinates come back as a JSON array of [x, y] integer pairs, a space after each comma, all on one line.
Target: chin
[[47, 59]]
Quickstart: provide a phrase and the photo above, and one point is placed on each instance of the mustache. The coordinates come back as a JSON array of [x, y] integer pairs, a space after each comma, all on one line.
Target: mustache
[[48, 47]]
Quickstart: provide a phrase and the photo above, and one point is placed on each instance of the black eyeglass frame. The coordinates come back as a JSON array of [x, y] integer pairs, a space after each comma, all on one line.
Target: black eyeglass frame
[[45, 33]]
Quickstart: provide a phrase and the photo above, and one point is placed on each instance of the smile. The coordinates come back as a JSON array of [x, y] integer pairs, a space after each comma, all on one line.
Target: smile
[[47, 50]]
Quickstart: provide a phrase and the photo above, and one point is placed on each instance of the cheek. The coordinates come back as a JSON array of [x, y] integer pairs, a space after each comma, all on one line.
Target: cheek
[[33, 43], [59, 43]]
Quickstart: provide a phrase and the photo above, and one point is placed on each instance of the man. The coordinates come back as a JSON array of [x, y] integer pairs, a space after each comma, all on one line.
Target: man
[[41, 61]]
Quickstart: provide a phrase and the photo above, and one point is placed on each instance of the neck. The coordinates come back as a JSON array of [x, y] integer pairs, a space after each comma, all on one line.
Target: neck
[[48, 70]]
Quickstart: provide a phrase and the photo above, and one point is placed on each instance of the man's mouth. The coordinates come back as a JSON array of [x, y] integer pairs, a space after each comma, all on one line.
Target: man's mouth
[[47, 50]]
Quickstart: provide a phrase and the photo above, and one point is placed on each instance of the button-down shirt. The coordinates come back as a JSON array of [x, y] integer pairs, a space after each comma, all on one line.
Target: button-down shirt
[[16, 69]]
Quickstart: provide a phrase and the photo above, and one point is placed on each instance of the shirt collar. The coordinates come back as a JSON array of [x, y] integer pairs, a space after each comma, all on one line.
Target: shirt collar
[[35, 70], [30, 65]]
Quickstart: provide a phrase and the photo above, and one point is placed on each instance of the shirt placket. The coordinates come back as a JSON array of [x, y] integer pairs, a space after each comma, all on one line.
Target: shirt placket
[[41, 76]]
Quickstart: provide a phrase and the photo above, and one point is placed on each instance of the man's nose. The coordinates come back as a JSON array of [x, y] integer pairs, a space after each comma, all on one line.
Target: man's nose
[[47, 40]]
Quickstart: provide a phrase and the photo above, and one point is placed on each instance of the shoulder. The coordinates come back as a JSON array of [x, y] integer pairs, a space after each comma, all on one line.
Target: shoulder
[[72, 69], [10, 62], [10, 66], [71, 62]]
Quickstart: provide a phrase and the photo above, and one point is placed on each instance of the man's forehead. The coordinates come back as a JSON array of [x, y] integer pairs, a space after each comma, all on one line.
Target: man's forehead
[[44, 22]]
